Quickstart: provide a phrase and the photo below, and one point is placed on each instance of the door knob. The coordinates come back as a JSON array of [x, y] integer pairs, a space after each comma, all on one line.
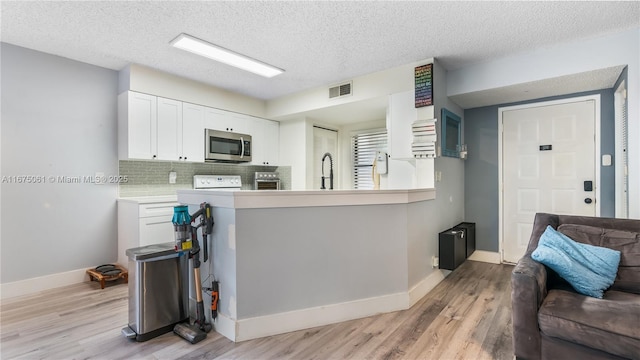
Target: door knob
[[588, 201]]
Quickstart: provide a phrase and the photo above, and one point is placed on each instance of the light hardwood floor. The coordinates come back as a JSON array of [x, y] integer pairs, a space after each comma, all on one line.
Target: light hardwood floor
[[467, 316]]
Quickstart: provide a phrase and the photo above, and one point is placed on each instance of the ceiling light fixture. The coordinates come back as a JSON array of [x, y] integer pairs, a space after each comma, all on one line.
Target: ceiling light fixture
[[203, 48]]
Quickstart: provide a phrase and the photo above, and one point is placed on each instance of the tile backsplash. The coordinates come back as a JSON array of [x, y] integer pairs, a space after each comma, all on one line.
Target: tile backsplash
[[151, 178]]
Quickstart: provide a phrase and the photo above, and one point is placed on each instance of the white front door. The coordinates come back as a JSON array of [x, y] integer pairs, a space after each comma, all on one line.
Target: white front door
[[548, 158]]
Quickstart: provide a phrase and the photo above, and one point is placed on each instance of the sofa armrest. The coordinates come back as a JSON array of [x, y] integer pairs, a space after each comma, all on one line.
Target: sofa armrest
[[528, 290]]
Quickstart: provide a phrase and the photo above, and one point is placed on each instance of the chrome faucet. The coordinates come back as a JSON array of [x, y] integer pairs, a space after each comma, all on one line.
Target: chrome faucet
[[330, 171]]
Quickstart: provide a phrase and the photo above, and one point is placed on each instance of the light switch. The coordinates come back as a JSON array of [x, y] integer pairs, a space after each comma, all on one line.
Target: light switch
[[606, 160], [172, 177]]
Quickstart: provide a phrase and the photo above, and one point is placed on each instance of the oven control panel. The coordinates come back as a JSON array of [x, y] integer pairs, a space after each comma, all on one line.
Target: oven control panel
[[217, 182]]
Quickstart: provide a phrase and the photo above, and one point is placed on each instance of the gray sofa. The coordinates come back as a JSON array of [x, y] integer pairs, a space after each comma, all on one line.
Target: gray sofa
[[552, 321]]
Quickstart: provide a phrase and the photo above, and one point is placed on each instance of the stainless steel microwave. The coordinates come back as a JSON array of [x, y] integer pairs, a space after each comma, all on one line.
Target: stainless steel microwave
[[225, 146]]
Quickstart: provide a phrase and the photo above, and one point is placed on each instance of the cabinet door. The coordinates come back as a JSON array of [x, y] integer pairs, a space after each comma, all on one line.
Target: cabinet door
[[258, 142], [141, 123], [240, 123], [265, 137], [401, 113], [193, 132], [214, 119], [156, 230], [227, 121], [272, 148], [169, 130]]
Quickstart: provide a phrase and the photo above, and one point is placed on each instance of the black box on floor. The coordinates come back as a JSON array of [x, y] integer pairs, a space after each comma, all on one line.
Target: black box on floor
[[451, 248], [469, 235]]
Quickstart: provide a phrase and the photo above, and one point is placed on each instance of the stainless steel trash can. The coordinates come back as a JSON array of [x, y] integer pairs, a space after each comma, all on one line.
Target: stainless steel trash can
[[158, 290]]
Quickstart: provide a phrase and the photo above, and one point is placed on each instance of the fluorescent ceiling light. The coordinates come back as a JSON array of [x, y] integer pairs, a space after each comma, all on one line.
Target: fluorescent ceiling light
[[203, 48]]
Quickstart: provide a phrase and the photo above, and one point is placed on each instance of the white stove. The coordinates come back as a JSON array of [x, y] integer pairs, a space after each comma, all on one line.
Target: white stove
[[217, 182]]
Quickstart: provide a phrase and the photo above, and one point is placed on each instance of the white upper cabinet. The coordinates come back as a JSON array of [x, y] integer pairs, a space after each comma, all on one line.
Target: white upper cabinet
[[401, 114], [272, 131], [137, 126], [169, 129], [268, 140], [151, 127], [221, 120], [193, 132]]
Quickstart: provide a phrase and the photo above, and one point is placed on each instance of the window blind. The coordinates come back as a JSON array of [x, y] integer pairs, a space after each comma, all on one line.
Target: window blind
[[364, 147]]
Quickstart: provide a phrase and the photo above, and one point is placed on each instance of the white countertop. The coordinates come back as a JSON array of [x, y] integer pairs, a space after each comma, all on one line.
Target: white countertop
[[256, 199]]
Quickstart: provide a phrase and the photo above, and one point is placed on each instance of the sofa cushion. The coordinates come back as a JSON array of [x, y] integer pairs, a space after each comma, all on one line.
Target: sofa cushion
[[609, 324], [627, 242], [589, 269]]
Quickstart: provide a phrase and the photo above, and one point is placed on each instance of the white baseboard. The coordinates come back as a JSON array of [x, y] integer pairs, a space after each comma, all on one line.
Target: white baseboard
[[486, 256], [42, 283], [427, 284], [225, 327], [268, 325]]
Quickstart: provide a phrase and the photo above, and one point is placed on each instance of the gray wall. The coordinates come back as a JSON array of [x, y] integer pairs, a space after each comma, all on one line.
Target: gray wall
[[59, 118], [481, 167], [427, 219], [337, 254]]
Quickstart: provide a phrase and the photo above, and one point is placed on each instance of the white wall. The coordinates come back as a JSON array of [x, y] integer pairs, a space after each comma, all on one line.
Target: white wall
[[612, 50], [370, 86], [296, 137], [58, 119], [427, 219], [154, 82]]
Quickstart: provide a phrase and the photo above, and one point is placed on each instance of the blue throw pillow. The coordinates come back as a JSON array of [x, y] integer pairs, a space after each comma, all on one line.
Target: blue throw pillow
[[589, 269]]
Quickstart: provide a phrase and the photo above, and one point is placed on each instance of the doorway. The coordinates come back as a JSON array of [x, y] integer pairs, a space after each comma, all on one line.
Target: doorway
[[548, 162], [324, 141]]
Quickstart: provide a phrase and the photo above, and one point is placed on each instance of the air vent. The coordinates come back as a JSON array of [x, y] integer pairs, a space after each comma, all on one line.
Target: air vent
[[340, 90]]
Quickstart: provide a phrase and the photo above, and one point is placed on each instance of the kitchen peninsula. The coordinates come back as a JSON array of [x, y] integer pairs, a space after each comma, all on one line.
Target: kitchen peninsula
[[289, 260]]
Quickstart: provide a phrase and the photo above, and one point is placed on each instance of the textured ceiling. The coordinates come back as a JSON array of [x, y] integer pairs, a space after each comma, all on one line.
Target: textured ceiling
[[316, 42]]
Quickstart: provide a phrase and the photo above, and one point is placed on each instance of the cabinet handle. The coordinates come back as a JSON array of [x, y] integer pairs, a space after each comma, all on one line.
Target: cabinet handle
[[185, 158], [158, 222], [180, 158], [154, 156]]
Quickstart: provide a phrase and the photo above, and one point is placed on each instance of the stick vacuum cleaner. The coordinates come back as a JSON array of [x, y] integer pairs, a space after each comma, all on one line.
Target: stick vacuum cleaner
[[187, 240]]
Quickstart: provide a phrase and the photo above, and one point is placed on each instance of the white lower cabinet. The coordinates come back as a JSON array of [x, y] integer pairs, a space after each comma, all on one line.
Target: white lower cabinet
[[156, 230], [143, 222]]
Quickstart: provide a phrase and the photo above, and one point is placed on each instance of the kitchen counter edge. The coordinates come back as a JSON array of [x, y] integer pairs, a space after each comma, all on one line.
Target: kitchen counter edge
[[258, 199]]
